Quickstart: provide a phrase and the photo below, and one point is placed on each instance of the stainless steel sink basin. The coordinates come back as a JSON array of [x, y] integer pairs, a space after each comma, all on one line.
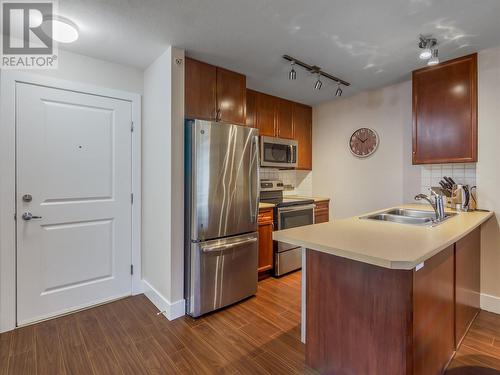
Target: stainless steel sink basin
[[412, 213], [407, 216], [400, 219]]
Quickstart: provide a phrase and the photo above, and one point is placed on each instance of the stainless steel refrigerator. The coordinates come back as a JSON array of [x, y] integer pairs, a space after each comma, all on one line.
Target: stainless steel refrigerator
[[222, 199]]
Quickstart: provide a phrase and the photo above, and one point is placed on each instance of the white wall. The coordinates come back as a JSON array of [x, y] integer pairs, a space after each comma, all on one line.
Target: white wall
[[386, 178], [79, 68], [162, 186], [488, 174]]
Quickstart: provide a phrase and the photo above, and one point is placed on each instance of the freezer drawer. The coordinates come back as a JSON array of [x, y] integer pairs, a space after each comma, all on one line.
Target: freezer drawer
[[221, 272]]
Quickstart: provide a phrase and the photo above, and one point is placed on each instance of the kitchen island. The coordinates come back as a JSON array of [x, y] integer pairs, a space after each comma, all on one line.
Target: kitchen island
[[388, 298]]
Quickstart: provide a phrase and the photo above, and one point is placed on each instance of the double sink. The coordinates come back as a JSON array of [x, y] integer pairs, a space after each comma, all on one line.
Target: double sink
[[408, 216]]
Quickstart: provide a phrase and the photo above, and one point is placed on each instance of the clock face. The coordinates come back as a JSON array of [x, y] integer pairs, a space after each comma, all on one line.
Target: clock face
[[363, 142]]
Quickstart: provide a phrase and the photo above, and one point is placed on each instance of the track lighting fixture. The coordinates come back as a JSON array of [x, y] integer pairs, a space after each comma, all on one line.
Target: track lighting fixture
[[434, 60], [339, 90], [292, 74], [429, 51], [318, 84]]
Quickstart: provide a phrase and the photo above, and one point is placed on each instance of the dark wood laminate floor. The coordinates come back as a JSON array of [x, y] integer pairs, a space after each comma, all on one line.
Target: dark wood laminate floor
[[259, 336]]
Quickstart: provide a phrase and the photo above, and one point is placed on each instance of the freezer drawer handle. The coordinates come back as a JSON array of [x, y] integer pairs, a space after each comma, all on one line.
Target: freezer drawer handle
[[228, 246]]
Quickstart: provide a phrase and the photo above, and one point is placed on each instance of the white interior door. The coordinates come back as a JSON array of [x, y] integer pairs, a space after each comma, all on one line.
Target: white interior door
[[74, 173]]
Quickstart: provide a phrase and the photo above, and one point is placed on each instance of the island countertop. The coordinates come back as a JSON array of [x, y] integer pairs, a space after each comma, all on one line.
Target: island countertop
[[382, 243]]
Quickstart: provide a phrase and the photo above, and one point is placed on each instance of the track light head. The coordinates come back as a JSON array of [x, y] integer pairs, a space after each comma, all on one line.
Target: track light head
[[425, 54], [318, 84], [292, 74], [434, 60], [339, 90]]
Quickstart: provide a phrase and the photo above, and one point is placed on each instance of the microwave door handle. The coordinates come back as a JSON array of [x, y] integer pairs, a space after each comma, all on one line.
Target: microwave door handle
[[290, 159]]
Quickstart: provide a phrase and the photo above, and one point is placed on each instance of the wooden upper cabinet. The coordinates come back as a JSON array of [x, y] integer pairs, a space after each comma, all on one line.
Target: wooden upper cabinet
[[266, 114], [302, 120], [213, 93], [251, 109], [284, 119], [200, 90], [231, 96], [445, 112]]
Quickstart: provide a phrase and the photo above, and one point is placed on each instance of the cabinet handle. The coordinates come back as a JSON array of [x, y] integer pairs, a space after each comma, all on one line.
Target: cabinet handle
[[218, 115]]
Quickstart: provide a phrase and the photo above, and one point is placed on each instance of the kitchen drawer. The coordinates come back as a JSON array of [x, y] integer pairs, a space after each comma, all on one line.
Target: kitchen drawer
[[265, 215]]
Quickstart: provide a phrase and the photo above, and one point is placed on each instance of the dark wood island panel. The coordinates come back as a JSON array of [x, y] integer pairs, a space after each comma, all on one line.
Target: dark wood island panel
[[359, 318], [433, 314], [365, 319], [467, 282]]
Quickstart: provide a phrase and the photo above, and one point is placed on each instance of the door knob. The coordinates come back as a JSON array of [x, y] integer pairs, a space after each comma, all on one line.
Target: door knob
[[27, 216]]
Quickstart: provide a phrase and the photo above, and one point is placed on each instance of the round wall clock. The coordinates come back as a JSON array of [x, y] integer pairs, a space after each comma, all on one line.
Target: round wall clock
[[363, 142]]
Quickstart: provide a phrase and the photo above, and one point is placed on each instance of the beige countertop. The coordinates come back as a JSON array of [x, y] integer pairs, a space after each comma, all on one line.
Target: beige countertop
[[381, 243], [266, 205]]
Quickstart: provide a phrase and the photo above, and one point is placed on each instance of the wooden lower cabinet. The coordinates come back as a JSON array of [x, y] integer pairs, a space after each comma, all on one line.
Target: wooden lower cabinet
[[322, 211], [265, 239], [364, 319]]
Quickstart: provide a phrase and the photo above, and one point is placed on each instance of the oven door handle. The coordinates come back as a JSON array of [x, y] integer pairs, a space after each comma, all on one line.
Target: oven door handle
[[296, 208]]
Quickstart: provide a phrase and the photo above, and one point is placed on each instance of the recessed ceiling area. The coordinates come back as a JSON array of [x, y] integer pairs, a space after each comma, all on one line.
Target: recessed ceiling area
[[367, 43]]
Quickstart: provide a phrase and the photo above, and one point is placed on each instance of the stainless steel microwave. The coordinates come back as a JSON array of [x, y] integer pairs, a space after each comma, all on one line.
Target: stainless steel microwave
[[278, 152]]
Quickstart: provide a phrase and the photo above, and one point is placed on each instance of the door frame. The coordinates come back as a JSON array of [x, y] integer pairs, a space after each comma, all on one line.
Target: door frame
[[8, 81]]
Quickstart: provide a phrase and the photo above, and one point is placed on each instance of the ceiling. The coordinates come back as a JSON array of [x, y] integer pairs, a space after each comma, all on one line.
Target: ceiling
[[368, 43]]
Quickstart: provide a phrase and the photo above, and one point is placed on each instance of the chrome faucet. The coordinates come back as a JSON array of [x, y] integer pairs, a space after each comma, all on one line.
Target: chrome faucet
[[437, 204]]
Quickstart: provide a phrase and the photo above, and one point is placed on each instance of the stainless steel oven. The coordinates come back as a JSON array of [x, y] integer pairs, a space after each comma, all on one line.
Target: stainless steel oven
[[278, 152], [291, 214]]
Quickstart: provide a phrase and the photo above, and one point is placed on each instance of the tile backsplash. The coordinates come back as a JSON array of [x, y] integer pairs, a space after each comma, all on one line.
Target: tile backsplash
[[433, 173], [296, 182]]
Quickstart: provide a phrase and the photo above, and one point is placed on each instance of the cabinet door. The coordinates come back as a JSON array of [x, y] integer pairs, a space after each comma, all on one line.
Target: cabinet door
[[266, 114], [265, 240], [284, 118], [251, 119], [302, 118], [322, 212], [231, 96], [200, 89], [433, 314], [445, 112], [265, 247], [467, 279]]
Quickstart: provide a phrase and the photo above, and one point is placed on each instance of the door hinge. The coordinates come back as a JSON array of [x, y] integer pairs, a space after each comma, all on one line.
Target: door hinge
[[132, 198], [131, 269], [15, 217], [132, 126]]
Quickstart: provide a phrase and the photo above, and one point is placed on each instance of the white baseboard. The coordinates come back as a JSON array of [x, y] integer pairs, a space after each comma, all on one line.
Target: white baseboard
[[490, 303], [170, 310]]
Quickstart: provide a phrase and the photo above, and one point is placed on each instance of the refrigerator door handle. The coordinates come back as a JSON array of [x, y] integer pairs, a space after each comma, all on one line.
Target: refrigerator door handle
[[256, 163], [211, 249]]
